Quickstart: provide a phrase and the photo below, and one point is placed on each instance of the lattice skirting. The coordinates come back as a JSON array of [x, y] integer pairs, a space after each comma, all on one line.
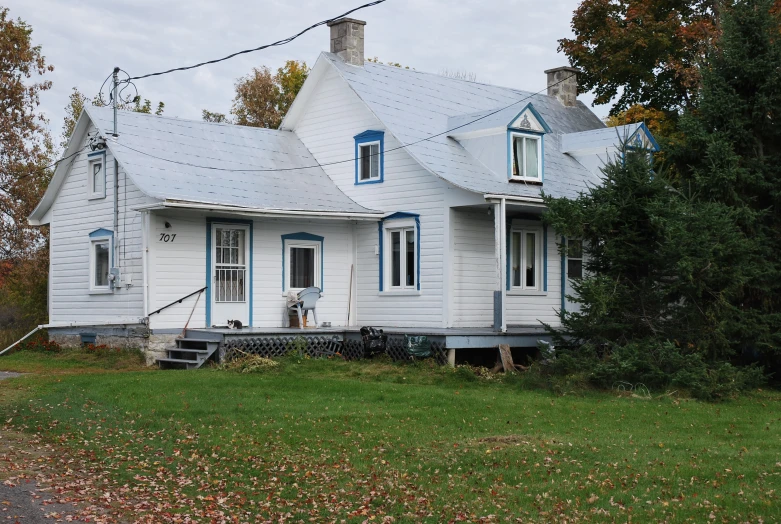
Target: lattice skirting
[[317, 346]]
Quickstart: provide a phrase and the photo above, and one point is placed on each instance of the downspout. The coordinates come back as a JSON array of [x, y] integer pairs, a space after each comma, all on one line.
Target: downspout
[[145, 259], [117, 240]]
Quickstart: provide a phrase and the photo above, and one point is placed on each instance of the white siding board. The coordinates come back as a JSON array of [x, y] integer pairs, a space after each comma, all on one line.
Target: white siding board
[[407, 187], [73, 218]]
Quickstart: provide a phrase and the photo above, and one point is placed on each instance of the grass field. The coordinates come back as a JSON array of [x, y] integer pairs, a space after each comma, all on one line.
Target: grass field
[[328, 441]]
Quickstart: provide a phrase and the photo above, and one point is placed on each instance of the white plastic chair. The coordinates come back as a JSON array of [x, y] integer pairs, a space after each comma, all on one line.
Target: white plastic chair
[[307, 299]]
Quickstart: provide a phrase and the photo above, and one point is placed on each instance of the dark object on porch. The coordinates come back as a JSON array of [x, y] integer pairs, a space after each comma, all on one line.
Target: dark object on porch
[[374, 341], [307, 300], [418, 346]]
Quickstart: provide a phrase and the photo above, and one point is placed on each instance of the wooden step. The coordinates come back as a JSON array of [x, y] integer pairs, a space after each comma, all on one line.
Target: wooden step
[[167, 363]]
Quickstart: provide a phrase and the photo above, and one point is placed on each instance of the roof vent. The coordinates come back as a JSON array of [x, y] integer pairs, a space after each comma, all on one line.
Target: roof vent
[[347, 39], [563, 84]]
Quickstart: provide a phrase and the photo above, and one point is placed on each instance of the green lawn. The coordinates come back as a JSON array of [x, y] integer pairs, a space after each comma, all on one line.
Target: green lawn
[[337, 441]]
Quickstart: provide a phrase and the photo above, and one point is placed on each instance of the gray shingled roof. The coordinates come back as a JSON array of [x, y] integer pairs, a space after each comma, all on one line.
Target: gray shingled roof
[[415, 105], [153, 150]]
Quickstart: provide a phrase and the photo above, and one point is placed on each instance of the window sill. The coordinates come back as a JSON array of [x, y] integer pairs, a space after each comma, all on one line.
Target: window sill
[[297, 291], [532, 181], [95, 196], [101, 291], [364, 182], [526, 293], [400, 293]]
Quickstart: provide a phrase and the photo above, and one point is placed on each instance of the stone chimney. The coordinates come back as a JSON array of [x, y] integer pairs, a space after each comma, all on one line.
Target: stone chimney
[[347, 40], [563, 84]]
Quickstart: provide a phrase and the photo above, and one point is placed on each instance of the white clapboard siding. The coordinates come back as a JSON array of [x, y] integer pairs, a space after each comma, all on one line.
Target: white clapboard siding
[[474, 268], [179, 268], [73, 218], [333, 117]]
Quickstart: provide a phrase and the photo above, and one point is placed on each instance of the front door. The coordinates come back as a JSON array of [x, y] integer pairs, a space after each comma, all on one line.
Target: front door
[[230, 274]]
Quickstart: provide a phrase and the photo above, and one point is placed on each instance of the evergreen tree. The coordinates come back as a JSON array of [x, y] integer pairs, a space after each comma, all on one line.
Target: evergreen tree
[[732, 155]]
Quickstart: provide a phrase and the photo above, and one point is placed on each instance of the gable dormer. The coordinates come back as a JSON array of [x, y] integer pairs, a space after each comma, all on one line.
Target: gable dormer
[[509, 142], [593, 149]]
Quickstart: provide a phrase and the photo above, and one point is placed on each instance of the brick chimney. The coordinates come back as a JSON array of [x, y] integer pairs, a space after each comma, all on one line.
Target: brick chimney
[[347, 40], [563, 84]]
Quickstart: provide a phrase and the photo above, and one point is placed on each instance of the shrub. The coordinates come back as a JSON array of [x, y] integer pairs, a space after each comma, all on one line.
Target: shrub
[[40, 344]]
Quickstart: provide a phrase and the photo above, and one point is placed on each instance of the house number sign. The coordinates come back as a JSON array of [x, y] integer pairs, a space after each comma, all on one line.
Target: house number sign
[[165, 237]]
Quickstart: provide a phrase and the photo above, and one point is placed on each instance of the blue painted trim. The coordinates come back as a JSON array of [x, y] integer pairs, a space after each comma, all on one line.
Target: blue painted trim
[[533, 134], [545, 257], [651, 138], [96, 154], [363, 138], [563, 274], [381, 230], [209, 222], [311, 238], [101, 233], [537, 115]]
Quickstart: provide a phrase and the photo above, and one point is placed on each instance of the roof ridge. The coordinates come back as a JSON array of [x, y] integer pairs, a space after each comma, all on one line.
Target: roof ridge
[[192, 120]]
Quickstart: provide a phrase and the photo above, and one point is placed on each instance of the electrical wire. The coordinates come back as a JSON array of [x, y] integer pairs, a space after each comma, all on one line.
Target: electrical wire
[[350, 160], [266, 46], [42, 168]]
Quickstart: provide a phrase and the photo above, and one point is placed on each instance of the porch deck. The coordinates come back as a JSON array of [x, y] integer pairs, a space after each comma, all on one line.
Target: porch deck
[[449, 338]]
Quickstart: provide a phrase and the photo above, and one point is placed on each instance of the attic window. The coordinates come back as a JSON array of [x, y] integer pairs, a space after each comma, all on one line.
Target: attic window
[[369, 157], [526, 157], [96, 176]]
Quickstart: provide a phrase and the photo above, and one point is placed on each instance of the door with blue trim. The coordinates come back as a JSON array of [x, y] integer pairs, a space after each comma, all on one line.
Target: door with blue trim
[[230, 274]]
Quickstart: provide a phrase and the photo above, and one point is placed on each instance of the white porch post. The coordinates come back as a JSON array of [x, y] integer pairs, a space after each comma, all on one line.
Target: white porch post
[[500, 240]]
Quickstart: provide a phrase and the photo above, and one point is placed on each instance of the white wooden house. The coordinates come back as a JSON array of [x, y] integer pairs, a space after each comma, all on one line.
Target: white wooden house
[[411, 199]]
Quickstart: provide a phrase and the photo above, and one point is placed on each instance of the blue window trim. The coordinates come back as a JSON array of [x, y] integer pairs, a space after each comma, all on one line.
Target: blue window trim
[[544, 257], [563, 274], [99, 233], [311, 238], [381, 230], [363, 138], [534, 134], [209, 222]]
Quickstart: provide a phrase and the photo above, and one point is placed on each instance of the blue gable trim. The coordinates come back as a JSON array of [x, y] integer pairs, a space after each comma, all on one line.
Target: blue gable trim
[[380, 229], [644, 129], [363, 138], [311, 238], [537, 115], [102, 233], [209, 222]]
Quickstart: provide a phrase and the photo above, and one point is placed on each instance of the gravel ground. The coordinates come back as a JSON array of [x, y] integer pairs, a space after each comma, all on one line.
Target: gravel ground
[[24, 503]]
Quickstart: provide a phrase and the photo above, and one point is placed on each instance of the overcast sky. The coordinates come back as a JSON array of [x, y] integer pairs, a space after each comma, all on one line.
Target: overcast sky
[[508, 43]]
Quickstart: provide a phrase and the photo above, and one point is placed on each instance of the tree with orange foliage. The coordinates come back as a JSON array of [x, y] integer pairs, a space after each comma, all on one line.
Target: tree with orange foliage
[[645, 52]]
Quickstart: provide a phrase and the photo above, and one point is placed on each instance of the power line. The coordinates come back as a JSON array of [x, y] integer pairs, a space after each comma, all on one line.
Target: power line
[[266, 46], [350, 160], [43, 168]]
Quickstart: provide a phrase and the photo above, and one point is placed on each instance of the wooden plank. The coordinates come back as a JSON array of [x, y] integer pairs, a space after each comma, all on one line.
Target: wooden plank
[[507, 358]]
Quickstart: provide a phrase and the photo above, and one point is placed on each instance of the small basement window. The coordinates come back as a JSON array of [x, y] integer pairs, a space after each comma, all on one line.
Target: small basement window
[[526, 157], [96, 176]]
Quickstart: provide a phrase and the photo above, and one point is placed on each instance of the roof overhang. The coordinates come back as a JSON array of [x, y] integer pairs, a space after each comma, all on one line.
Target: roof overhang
[[267, 213]]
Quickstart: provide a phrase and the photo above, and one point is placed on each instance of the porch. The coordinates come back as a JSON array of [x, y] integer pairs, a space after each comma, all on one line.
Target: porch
[[275, 342]]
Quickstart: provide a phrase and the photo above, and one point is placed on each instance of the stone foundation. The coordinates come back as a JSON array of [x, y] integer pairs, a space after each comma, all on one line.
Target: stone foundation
[[124, 337]]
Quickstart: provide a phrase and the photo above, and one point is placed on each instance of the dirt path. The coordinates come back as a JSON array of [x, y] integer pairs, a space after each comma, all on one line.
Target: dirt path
[[21, 499]]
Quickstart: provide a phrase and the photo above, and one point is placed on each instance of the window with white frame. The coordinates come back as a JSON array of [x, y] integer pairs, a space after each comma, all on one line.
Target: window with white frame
[[369, 161], [96, 176], [526, 259], [526, 157], [401, 258], [574, 259], [303, 264], [100, 263]]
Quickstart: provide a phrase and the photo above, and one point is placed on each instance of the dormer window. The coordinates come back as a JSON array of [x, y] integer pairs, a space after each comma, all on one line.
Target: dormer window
[[369, 157], [526, 157]]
